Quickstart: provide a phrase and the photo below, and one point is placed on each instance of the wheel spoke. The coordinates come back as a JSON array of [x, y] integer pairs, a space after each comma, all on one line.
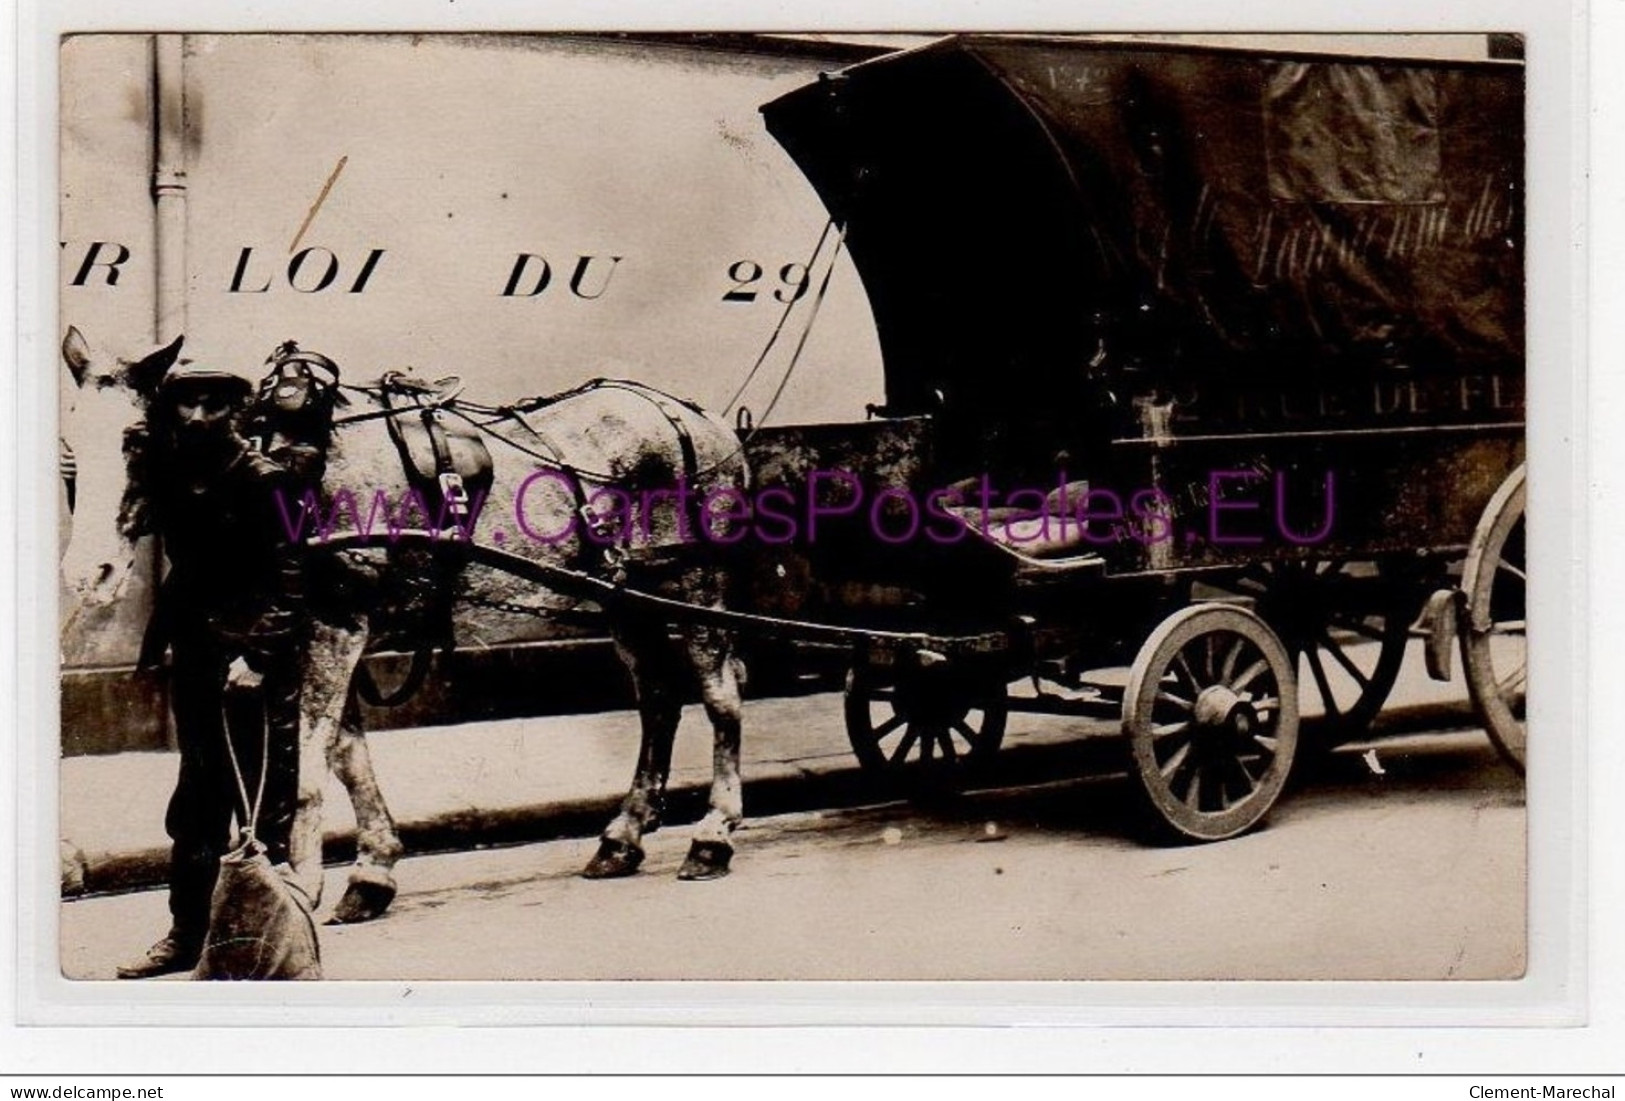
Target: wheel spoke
[[1165, 696], [923, 727], [1228, 668], [1238, 786], [1509, 627], [1183, 667], [1175, 759], [1267, 743], [1250, 674], [1503, 564], [910, 736], [1345, 661], [889, 725], [1193, 793], [1326, 697], [1164, 730]]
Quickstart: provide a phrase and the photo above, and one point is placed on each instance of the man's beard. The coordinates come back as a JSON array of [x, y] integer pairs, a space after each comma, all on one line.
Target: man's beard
[[204, 445]]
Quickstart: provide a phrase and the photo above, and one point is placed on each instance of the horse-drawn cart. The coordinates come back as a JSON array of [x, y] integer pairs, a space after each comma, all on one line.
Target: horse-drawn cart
[[1208, 359], [1204, 386], [1253, 323]]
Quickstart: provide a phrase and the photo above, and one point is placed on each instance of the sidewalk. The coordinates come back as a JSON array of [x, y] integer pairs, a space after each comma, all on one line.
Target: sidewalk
[[457, 786], [518, 780]]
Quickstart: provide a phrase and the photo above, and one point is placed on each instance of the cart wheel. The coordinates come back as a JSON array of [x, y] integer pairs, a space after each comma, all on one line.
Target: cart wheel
[[1349, 623], [1211, 715], [939, 724], [1494, 647]]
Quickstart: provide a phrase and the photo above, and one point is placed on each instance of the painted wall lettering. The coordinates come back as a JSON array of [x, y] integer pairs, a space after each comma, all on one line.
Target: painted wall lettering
[[543, 276], [309, 270], [746, 274], [582, 266], [589, 280], [94, 259]]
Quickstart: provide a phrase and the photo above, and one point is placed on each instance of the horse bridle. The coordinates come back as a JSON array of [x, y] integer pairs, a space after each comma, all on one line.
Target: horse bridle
[[291, 366]]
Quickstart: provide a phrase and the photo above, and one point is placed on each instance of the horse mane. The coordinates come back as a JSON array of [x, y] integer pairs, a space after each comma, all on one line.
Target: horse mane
[[140, 459]]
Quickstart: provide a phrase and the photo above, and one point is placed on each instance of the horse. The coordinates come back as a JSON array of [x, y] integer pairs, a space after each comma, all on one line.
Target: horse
[[557, 463]]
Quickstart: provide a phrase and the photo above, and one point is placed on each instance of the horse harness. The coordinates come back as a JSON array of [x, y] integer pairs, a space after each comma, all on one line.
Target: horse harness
[[667, 405], [457, 462], [450, 464], [452, 480]]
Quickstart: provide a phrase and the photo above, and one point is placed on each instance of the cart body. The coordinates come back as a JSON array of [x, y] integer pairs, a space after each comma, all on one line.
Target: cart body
[[1223, 275], [1253, 322]]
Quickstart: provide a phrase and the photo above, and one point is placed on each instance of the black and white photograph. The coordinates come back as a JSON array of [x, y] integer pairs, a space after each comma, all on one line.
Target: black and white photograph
[[794, 506]]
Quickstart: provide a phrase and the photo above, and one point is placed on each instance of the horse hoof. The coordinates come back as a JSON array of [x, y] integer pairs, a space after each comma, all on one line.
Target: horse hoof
[[363, 900], [706, 860], [613, 860]]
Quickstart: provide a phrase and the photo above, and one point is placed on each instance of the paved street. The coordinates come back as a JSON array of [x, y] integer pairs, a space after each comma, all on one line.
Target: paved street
[[1406, 864]]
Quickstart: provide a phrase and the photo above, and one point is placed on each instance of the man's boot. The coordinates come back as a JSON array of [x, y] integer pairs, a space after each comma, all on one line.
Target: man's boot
[[175, 952]]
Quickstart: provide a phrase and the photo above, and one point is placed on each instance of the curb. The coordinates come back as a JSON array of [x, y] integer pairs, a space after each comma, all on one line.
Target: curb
[[784, 787]]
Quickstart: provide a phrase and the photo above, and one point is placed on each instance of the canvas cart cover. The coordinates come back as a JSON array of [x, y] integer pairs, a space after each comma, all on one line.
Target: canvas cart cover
[[1026, 212]]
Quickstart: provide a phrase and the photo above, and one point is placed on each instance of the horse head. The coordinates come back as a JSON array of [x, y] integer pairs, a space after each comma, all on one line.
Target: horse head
[[105, 430]]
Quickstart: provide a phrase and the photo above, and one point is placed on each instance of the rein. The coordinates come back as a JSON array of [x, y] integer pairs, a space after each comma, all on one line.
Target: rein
[[427, 403], [514, 413], [252, 809], [784, 316]]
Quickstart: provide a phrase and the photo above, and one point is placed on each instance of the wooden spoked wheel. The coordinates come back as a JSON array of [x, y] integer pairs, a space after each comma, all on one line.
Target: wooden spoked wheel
[[1494, 641], [938, 725], [1211, 718], [1347, 623]]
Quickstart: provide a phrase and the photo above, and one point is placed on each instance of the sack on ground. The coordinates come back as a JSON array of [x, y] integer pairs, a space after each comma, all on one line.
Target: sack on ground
[[260, 924]]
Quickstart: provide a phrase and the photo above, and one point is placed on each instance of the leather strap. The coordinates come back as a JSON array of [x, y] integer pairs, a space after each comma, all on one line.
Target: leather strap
[[554, 455], [452, 491], [685, 439], [592, 551]]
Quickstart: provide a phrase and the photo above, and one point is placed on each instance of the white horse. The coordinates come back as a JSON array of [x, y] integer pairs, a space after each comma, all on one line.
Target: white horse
[[609, 435]]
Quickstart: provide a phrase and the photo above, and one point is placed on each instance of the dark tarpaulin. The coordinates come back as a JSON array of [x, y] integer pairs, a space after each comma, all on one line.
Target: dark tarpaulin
[[1352, 134], [1031, 216]]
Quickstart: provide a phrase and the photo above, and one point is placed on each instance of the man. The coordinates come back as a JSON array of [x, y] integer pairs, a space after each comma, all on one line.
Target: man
[[232, 608]]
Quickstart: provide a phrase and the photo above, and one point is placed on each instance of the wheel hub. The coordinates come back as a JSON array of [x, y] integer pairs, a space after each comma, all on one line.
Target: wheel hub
[[1222, 710]]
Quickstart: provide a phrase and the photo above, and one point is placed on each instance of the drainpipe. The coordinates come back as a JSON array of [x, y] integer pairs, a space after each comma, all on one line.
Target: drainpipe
[[169, 241], [169, 184]]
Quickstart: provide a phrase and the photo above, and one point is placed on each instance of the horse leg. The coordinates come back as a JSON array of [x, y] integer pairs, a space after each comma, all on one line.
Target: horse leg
[[710, 652], [647, 654], [334, 651], [371, 887]]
